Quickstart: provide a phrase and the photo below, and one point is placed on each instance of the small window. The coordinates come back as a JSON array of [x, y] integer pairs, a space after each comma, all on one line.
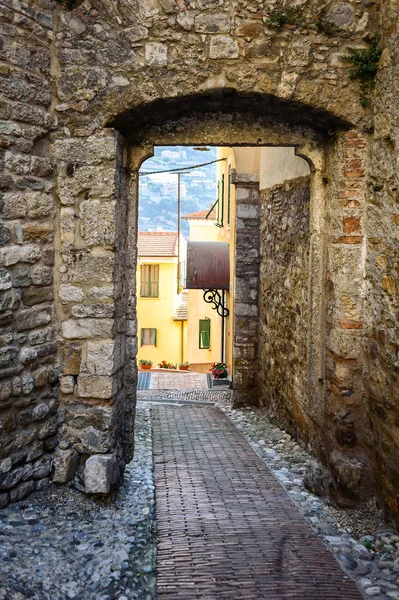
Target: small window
[[148, 336], [149, 281], [204, 334]]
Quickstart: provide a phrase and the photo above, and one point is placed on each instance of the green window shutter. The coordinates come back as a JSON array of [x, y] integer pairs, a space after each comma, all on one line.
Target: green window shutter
[[154, 281], [145, 281], [204, 334], [222, 207], [229, 197], [218, 205], [141, 337]]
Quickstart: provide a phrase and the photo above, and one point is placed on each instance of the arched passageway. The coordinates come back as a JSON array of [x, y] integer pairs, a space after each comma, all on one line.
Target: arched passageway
[[158, 71], [106, 254]]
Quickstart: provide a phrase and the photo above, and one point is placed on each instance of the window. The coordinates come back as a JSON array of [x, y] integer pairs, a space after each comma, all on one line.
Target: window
[[148, 337], [149, 281], [204, 334]]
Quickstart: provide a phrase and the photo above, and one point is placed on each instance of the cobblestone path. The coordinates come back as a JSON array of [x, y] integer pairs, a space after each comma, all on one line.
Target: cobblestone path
[[226, 528]]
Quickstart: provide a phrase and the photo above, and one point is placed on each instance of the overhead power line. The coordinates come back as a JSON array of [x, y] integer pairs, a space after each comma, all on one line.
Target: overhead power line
[[182, 168]]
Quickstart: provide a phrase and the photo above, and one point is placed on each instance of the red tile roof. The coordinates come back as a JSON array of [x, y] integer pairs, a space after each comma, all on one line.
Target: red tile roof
[[201, 216], [157, 243]]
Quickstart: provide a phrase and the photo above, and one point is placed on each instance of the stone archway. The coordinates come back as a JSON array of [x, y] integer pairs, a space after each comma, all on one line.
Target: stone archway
[[98, 190]]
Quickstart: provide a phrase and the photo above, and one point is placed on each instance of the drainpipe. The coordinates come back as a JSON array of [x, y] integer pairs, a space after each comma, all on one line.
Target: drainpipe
[[182, 342]]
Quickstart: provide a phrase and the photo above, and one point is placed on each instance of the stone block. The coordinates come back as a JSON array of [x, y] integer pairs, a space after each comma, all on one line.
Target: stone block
[[71, 357], [246, 310], [223, 47], [5, 280], [96, 181], [36, 451], [4, 500], [100, 473], [67, 384], [343, 15], [40, 205], [14, 254], [212, 23], [92, 268], [97, 224], [101, 293], [92, 440], [91, 150], [103, 358], [42, 467], [5, 465], [12, 478], [247, 211], [36, 295], [14, 206], [156, 54], [41, 275], [38, 232], [82, 311], [87, 328], [345, 344], [31, 318], [71, 293], [41, 376], [22, 490], [96, 386], [8, 357], [250, 29], [64, 463], [40, 412]]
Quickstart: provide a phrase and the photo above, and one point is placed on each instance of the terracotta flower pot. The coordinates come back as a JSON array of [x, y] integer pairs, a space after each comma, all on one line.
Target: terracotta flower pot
[[145, 367], [183, 368]]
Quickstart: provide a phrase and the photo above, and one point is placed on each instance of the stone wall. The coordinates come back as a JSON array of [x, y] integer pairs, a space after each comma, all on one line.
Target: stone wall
[[284, 304], [91, 186], [246, 288], [345, 423], [193, 72], [29, 375], [382, 271], [112, 57]]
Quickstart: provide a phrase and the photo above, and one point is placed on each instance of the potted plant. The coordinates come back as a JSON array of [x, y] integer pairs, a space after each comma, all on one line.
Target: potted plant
[[183, 366], [164, 364], [145, 364], [219, 370]]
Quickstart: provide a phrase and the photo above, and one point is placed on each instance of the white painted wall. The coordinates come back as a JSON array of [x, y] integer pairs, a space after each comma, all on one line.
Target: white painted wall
[[280, 164]]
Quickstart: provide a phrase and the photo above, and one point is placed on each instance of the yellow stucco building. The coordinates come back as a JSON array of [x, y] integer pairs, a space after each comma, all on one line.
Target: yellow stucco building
[[204, 332], [161, 310]]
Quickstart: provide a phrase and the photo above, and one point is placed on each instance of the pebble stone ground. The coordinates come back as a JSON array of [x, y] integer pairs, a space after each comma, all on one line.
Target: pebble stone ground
[[58, 544]]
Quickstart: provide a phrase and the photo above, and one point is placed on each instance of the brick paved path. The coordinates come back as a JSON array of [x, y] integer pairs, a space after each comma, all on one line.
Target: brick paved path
[[178, 380], [226, 528]]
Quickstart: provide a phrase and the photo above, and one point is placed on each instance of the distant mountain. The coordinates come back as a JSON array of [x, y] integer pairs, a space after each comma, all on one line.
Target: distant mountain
[[158, 192]]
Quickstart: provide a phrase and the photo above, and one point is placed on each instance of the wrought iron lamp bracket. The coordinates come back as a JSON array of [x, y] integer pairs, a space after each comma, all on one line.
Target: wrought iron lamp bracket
[[213, 297]]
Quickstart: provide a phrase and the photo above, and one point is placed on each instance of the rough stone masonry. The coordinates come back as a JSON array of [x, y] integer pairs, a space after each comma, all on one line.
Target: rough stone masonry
[[87, 88]]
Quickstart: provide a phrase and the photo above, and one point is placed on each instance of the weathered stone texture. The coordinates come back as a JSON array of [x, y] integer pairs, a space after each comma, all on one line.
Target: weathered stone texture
[[146, 68], [382, 272], [284, 304], [346, 415], [28, 371], [246, 273], [90, 280]]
